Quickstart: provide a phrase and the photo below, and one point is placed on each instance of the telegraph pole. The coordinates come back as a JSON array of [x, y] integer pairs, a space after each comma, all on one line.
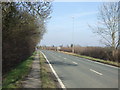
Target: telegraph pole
[[73, 36]]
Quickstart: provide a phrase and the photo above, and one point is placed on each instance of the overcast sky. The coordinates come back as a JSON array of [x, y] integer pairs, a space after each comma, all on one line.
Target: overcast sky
[[60, 26]]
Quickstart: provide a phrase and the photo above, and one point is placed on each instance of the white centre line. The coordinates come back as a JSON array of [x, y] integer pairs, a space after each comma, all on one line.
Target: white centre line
[[74, 62], [96, 72], [65, 58]]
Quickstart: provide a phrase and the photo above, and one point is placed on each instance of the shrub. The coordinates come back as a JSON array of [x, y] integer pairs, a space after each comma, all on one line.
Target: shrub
[[22, 29]]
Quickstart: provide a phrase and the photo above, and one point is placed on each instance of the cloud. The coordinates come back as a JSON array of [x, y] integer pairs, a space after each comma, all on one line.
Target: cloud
[[78, 15], [82, 0]]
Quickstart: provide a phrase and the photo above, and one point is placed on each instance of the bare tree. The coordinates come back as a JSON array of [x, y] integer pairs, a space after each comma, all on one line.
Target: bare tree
[[107, 25]]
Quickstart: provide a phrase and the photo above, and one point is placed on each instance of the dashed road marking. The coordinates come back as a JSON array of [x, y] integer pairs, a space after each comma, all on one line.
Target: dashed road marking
[[74, 62], [96, 72]]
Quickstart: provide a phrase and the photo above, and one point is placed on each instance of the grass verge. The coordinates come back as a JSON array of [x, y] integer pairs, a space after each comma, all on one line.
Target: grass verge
[[94, 59], [12, 78], [48, 80]]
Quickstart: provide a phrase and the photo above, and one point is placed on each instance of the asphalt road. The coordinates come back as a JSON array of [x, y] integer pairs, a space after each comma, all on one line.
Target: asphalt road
[[78, 72]]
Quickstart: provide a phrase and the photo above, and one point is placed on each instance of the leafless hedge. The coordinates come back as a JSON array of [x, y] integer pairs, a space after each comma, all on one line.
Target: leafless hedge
[[22, 27], [104, 53]]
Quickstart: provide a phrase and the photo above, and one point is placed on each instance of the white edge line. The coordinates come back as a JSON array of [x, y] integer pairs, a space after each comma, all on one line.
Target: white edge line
[[96, 72], [59, 80], [99, 63], [103, 64]]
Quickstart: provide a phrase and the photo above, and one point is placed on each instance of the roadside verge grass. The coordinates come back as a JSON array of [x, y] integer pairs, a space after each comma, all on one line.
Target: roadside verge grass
[[48, 80], [94, 59], [12, 78]]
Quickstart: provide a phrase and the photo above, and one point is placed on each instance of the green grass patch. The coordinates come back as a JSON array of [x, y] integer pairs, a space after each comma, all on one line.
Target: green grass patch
[[12, 78], [47, 80], [95, 59]]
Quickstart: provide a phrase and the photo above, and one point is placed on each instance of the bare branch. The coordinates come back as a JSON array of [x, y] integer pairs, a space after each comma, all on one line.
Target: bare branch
[[107, 26]]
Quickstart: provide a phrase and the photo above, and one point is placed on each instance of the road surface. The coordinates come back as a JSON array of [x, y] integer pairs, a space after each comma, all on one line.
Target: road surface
[[77, 72]]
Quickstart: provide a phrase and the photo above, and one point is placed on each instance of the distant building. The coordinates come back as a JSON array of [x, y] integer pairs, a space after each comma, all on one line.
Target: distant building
[[58, 48]]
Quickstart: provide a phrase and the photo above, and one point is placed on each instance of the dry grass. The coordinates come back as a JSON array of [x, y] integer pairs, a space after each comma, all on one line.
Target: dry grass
[[104, 53], [100, 54], [47, 78], [95, 59]]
